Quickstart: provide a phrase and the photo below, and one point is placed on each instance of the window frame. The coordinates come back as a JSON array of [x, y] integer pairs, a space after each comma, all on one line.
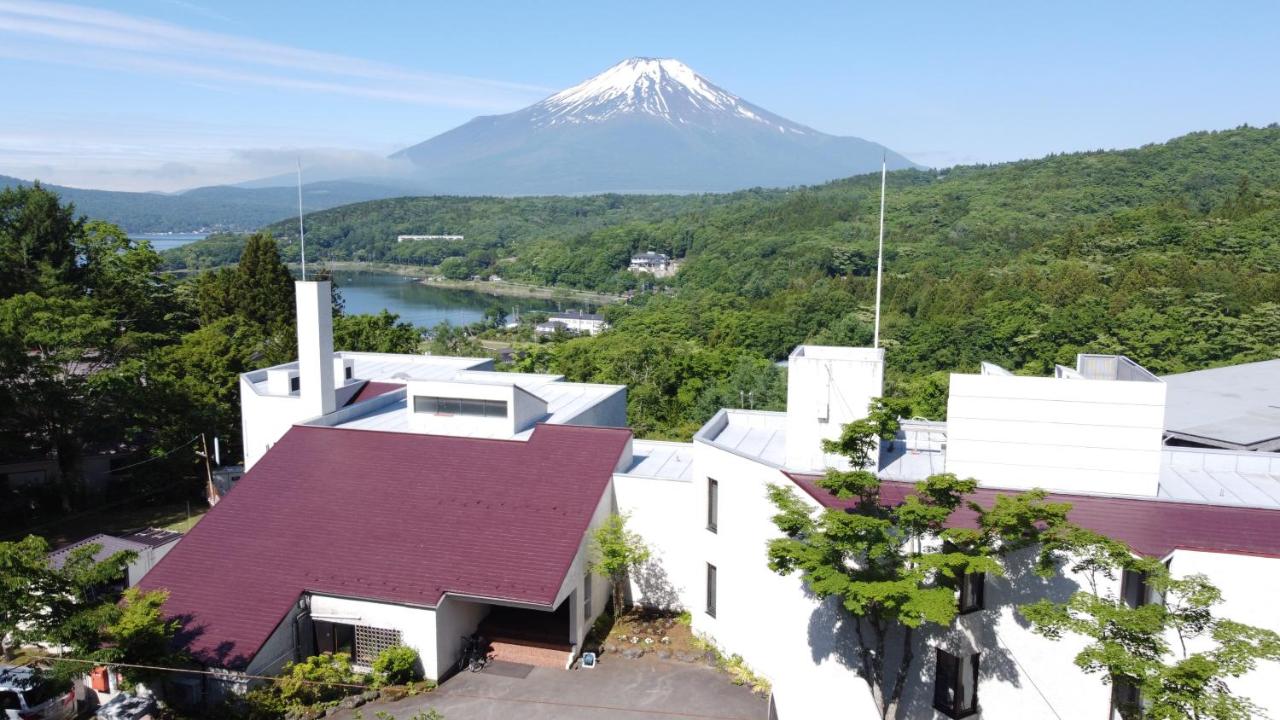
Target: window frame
[[711, 593], [1134, 582], [295, 384], [956, 667], [461, 407], [713, 505], [973, 592]]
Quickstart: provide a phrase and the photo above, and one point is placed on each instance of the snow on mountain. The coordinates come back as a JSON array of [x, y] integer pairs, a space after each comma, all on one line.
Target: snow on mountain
[[643, 125], [664, 88]]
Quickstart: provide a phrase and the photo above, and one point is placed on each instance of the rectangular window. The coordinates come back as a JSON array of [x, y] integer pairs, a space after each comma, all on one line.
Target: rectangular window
[[456, 406], [295, 384], [1133, 588], [972, 586], [955, 684], [586, 597], [711, 590], [713, 504], [334, 637], [1126, 699], [346, 372]]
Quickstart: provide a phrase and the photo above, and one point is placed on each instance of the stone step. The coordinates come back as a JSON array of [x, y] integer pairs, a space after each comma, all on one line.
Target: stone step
[[528, 654]]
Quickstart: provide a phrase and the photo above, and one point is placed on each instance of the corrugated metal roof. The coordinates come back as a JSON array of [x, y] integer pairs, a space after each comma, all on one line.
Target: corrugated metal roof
[[1221, 477], [663, 460], [392, 517], [109, 545]]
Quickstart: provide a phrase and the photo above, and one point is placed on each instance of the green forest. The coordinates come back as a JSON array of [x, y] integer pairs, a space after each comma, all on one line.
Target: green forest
[[1168, 253]]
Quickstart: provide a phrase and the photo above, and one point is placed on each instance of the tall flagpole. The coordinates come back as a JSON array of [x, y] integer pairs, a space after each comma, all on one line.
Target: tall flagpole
[[884, 169], [302, 237]]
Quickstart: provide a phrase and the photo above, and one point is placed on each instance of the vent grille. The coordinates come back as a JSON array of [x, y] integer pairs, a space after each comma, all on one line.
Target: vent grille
[[371, 641]]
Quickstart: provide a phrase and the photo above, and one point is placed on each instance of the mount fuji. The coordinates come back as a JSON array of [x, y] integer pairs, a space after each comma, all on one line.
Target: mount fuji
[[644, 125]]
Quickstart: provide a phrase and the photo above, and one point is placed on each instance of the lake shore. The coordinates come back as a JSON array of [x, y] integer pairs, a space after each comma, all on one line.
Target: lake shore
[[500, 287]]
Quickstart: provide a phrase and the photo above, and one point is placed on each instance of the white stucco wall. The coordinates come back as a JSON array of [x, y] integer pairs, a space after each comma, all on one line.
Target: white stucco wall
[[1072, 435], [455, 619], [668, 514], [827, 387], [1250, 585], [417, 625]]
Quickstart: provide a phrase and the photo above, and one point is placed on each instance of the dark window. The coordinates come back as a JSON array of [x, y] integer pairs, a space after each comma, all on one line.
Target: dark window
[[9, 700], [713, 504], [972, 586], [457, 406], [586, 596], [295, 384], [334, 637], [711, 590], [346, 372], [1133, 588], [955, 684], [1126, 699]]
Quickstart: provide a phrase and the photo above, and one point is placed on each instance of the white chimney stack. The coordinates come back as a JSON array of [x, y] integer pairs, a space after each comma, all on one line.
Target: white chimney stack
[[315, 347], [828, 387]]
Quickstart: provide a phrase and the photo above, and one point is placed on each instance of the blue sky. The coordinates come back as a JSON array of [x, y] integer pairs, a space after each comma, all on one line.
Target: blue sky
[[170, 94]]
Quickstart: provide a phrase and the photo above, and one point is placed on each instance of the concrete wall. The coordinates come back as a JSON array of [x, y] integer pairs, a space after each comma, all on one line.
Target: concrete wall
[[1073, 435], [1250, 585], [455, 619], [417, 625], [609, 412], [827, 387], [280, 648], [264, 419], [667, 514]]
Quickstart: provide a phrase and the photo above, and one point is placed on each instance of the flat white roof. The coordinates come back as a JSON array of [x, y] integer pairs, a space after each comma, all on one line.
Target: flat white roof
[[1221, 477], [836, 352], [662, 460], [756, 434], [387, 367], [1237, 405]]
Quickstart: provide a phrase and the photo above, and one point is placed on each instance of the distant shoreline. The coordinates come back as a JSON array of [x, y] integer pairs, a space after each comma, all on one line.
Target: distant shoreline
[[501, 287]]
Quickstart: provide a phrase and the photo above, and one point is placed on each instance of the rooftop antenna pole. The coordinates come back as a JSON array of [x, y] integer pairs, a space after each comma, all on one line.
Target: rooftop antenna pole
[[302, 237], [884, 169]]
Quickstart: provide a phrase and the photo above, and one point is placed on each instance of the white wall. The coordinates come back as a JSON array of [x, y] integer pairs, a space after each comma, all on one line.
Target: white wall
[[454, 619], [1250, 585], [264, 419], [827, 387], [667, 514], [417, 625], [523, 408], [315, 346], [1072, 435]]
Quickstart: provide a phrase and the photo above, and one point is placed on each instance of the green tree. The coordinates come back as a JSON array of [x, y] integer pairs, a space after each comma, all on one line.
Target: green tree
[[894, 569], [382, 333], [263, 285], [62, 605], [37, 241], [615, 553], [1132, 647], [140, 633]]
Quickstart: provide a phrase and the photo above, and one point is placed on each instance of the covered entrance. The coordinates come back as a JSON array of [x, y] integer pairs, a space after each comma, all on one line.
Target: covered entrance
[[530, 637]]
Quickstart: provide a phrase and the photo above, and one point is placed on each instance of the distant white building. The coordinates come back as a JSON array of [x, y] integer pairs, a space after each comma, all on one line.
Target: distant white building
[[411, 238], [654, 263], [573, 321]]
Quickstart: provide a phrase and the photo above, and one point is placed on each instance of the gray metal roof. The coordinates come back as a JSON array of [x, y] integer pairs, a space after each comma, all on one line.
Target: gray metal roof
[[1221, 477], [110, 545], [1237, 406]]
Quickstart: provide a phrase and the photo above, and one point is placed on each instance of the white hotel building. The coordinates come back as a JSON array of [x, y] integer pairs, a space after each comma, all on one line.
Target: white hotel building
[[426, 497]]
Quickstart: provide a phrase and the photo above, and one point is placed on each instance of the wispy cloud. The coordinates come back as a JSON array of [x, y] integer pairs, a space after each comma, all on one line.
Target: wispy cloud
[[103, 38]]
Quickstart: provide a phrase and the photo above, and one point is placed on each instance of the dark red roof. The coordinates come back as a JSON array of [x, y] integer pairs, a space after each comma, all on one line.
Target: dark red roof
[[394, 517], [1151, 527], [372, 389]]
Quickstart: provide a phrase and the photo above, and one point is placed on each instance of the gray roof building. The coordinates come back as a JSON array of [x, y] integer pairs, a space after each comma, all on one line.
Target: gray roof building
[[1235, 407]]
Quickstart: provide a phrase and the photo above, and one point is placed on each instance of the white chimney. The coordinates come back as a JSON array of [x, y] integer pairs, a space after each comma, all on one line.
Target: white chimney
[[827, 388], [315, 347]]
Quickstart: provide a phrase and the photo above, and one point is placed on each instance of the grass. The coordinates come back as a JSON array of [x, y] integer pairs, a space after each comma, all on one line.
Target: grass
[[179, 516]]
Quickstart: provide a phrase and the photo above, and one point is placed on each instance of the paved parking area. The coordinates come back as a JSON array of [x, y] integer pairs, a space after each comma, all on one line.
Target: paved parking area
[[646, 689]]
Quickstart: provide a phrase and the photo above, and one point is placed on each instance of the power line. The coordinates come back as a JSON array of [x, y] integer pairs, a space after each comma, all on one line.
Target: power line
[[158, 457], [224, 675]]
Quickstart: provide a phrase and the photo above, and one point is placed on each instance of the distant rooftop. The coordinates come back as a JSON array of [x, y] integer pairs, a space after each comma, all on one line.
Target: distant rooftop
[[110, 544], [1235, 407], [575, 315], [566, 403]]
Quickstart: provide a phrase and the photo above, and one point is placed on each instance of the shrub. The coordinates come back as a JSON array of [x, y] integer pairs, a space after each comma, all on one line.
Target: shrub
[[397, 665], [318, 679]]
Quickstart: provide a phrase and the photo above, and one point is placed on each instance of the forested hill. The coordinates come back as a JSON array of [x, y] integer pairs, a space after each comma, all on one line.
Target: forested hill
[[1168, 253], [207, 208]]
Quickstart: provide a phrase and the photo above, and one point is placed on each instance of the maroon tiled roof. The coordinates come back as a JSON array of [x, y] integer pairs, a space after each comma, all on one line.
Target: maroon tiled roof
[[372, 389], [394, 517], [1149, 527]]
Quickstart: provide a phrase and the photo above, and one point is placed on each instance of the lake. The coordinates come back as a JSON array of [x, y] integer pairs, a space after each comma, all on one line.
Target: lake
[[424, 305], [168, 241]]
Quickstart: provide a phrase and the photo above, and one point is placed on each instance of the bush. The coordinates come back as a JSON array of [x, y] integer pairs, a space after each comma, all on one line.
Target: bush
[[319, 679], [397, 665]]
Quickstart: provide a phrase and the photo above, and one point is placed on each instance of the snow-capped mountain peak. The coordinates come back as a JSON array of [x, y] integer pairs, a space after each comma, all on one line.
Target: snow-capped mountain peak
[[661, 87]]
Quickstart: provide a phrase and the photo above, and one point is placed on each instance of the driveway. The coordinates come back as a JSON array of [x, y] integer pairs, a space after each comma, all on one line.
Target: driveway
[[645, 689]]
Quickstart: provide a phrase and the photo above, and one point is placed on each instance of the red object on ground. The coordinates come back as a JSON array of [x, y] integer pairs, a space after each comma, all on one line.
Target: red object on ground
[[98, 679]]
